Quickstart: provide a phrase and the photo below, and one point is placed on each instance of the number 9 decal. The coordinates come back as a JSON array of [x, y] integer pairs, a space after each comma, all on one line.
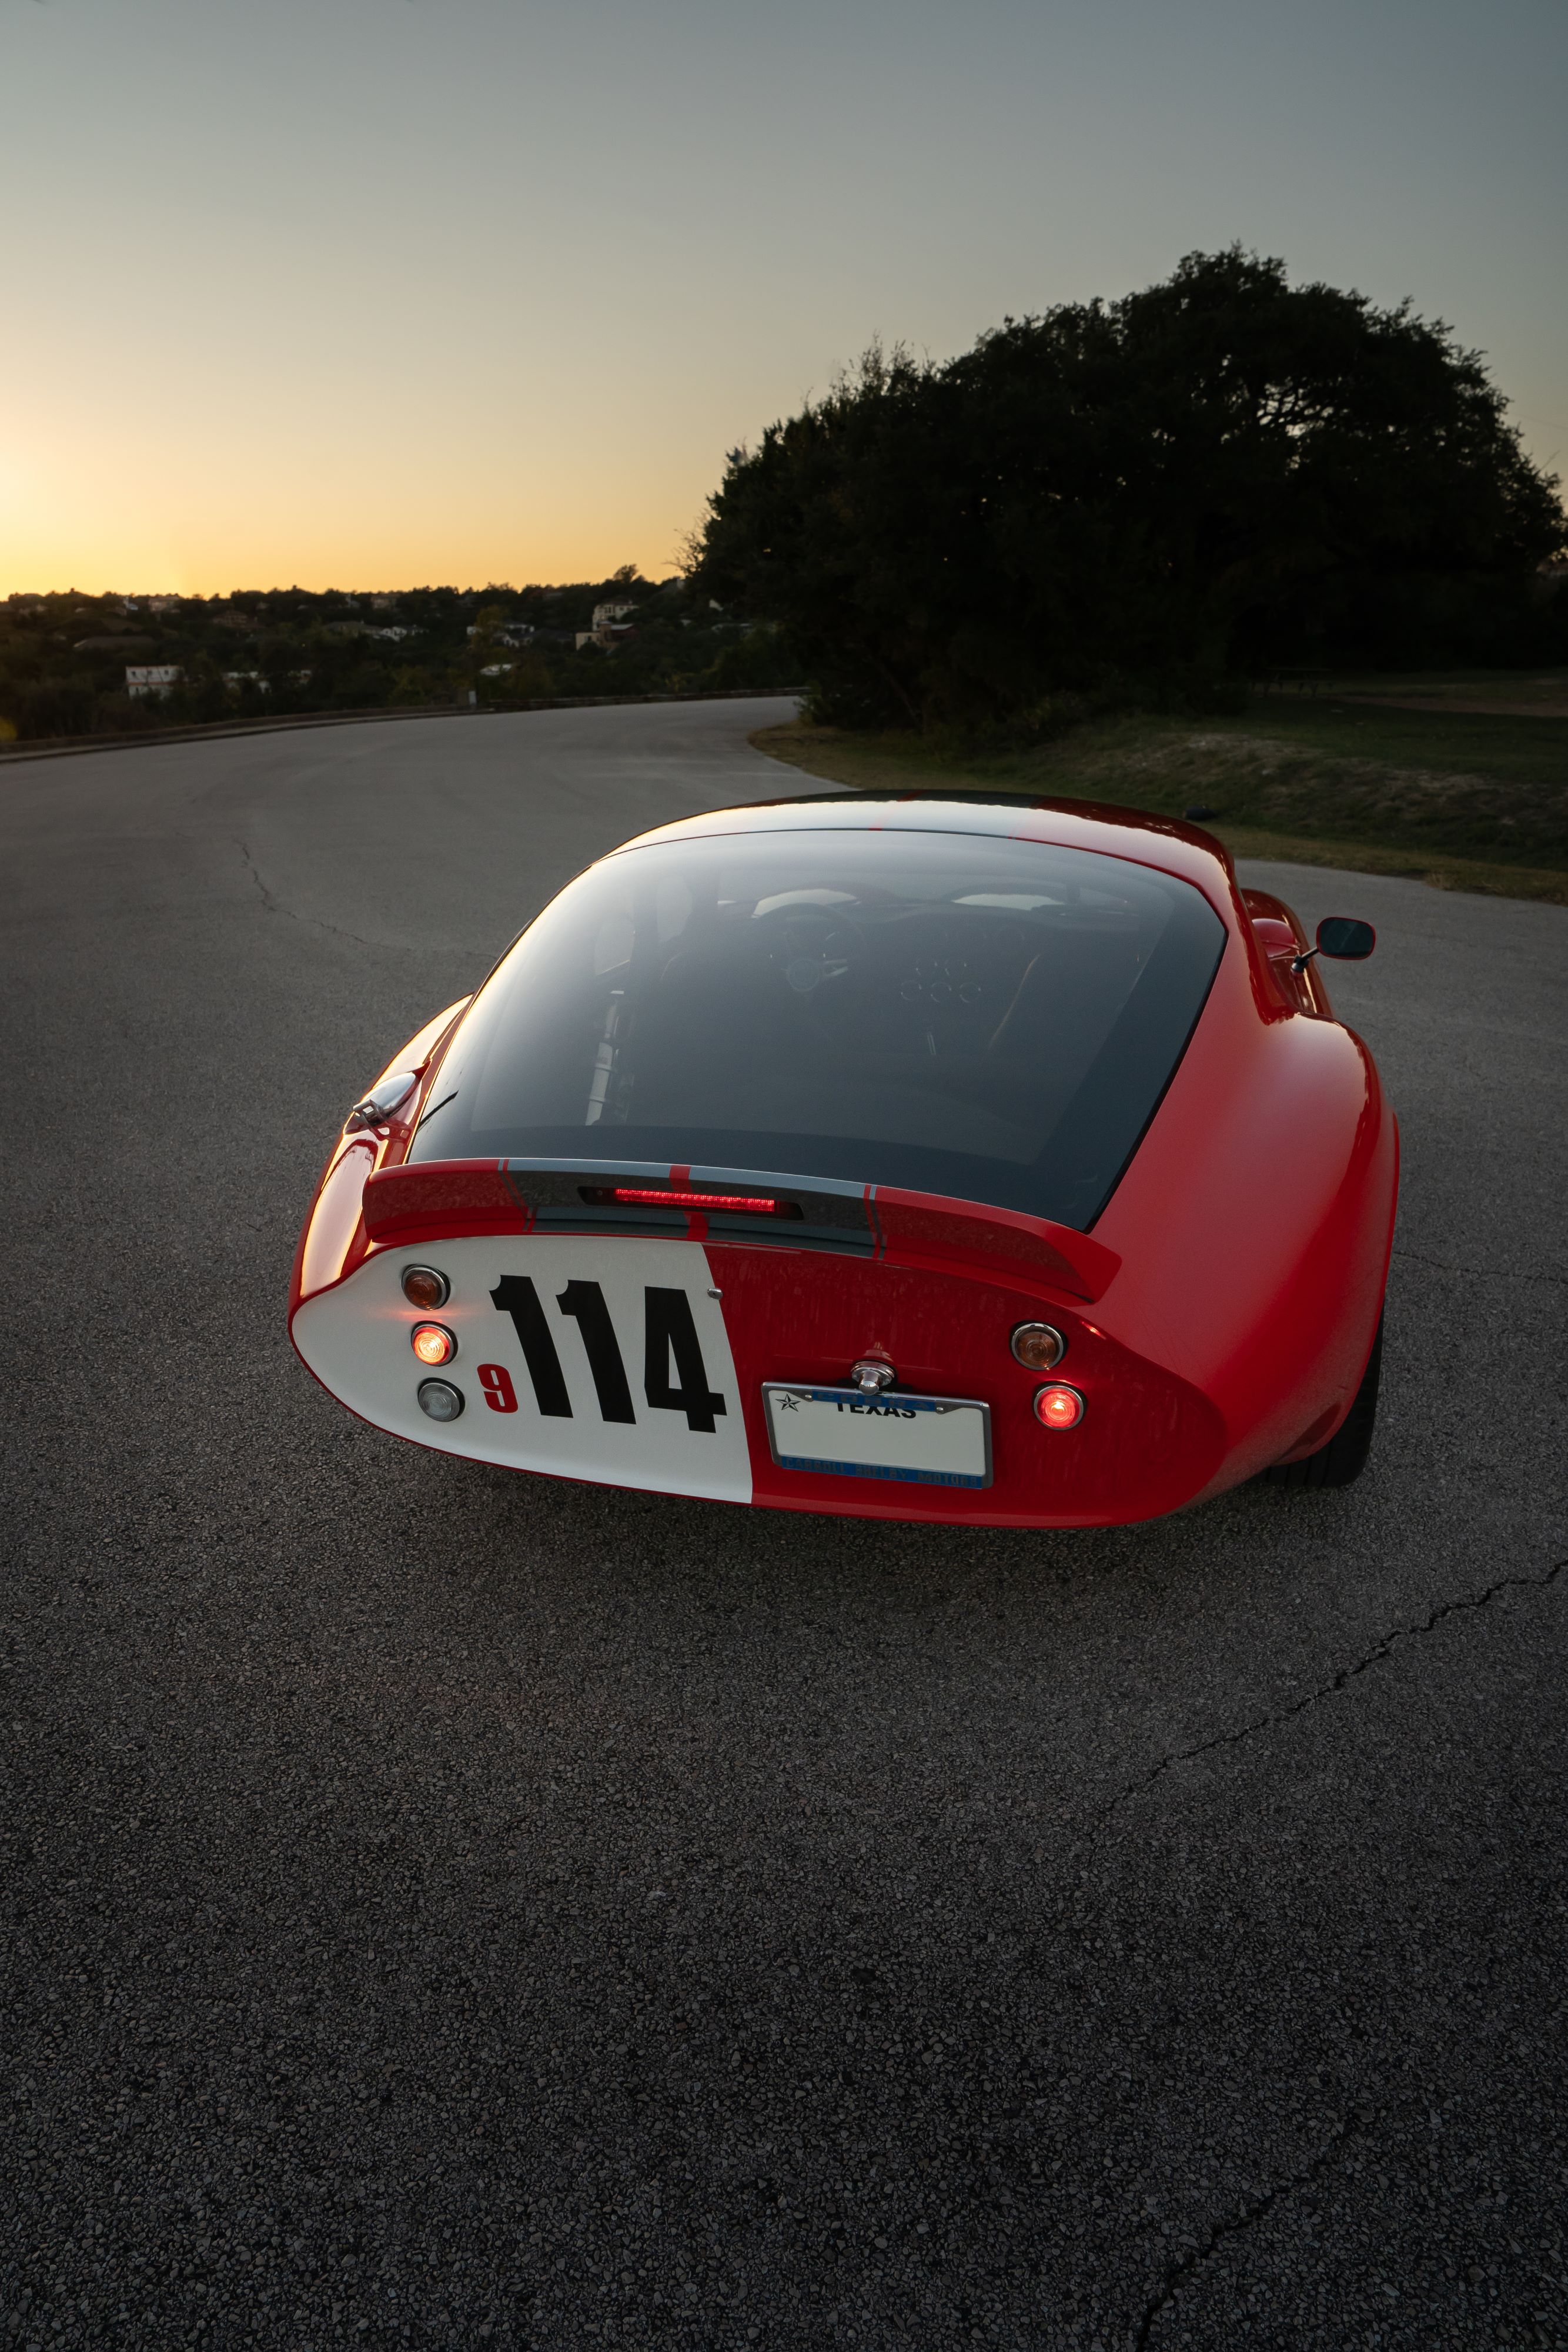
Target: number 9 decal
[[497, 1382]]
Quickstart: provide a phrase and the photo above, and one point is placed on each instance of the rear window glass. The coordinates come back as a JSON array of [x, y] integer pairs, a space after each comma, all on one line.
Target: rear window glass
[[994, 1020]]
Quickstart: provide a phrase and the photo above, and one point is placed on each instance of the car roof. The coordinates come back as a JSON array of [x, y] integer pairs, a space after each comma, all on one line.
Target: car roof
[[1167, 843]]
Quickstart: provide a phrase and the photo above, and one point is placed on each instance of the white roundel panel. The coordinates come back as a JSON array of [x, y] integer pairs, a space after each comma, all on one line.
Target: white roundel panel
[[588, 1358]]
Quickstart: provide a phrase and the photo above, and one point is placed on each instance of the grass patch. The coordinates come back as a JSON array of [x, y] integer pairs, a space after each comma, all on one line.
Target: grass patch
[[1542, 694], [1464, 800]]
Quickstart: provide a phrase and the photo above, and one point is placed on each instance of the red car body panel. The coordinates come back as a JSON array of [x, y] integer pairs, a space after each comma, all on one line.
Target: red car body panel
[[1219, 1319]]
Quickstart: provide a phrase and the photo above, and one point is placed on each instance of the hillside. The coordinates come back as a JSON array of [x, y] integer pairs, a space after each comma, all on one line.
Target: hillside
[[1459, 779]]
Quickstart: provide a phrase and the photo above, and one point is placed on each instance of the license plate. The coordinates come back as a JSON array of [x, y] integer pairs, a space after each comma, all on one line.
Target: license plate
[[918, 1440]]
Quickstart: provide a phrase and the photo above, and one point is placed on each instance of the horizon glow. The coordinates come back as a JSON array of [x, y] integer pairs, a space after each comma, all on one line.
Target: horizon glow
[[365, 294]]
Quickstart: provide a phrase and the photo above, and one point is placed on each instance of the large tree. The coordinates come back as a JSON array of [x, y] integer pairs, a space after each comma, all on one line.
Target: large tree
[[1220, 474]]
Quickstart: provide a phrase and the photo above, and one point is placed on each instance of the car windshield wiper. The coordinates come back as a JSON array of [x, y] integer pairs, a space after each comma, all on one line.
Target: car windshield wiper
[[430, 1114]]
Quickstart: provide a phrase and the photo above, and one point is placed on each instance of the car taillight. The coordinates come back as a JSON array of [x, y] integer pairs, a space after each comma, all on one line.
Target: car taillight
[[1058, 1406], [756, 1204], [433, 1343], [1039, 1346], [439, 1400], [423, 1286]]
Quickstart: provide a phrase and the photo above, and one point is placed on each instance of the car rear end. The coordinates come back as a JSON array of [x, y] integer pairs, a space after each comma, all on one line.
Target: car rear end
[[764, 1167], [874, 1352]]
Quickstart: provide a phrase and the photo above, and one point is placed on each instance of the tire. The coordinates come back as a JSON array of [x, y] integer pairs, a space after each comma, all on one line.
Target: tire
[[1342, 1461]]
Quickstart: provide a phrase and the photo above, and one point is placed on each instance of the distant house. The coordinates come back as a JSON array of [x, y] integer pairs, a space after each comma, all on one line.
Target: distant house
[[603, 614], [246, 678], [157, 677], [393, 634]]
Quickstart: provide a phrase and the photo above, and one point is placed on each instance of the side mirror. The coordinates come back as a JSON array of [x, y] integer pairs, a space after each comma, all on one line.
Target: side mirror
[[1344, 939]]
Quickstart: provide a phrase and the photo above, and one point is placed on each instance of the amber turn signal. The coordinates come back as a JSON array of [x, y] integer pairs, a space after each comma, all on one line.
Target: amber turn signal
[[1039, 1346], [423, 1287], [1058, 1406], [433, 1343]]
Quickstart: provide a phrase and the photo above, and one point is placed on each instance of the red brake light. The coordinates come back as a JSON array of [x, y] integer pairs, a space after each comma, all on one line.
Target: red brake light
[[1058, 1406], [433, 1343], [627, 1195]]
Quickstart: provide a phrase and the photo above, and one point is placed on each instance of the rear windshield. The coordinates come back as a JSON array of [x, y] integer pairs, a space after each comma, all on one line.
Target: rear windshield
[[994, 1020]]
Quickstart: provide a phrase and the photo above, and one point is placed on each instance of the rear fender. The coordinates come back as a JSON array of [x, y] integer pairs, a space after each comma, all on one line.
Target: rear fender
[[1255, 1228], [332, 1240]]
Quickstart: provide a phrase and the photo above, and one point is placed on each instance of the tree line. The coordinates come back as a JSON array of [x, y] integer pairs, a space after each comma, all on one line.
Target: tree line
[[1148, 502], [1152, 501], [259, 653]]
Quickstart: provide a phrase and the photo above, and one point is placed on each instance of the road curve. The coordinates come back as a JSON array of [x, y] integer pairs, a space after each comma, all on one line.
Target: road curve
[[446, 1908]]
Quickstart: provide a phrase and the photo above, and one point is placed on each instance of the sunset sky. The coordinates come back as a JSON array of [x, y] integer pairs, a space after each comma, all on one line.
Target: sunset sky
[[365, 293]]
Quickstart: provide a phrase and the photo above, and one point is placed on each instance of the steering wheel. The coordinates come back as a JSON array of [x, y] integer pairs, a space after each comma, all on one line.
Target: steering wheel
[[814, 945]]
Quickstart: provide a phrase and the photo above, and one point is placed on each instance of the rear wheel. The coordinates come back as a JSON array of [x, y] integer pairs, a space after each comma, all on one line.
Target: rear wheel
[[1344, 1458]]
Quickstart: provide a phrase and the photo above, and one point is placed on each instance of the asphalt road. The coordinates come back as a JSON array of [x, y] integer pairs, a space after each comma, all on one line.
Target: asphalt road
[[444, 1908]]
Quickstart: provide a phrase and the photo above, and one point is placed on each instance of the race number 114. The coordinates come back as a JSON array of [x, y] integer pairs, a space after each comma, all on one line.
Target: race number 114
[[675, 1378]]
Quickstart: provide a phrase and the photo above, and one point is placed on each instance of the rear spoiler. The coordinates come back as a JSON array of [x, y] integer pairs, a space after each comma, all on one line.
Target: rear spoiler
[[925, 1229], [439, 1199], [445, 1199]]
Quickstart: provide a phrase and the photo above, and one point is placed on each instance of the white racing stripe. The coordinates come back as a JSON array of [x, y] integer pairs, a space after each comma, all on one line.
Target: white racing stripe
[[355, 1339]]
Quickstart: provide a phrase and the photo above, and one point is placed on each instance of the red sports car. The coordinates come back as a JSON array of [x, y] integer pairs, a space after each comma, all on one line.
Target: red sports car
[[993, 1161]]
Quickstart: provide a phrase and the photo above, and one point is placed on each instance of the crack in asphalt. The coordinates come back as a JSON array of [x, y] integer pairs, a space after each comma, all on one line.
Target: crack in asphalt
[[1327, 1690], [1194, 2259], [1481, 1273], [275, 907]]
